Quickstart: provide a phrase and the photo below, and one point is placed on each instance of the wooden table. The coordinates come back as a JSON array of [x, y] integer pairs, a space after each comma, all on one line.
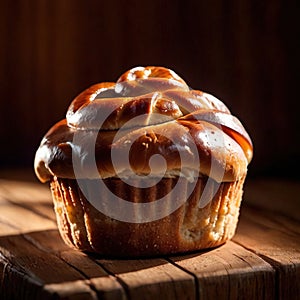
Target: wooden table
[[261, 262]]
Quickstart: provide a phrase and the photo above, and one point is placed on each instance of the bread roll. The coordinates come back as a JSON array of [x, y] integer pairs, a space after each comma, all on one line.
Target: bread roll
[[145, 166]]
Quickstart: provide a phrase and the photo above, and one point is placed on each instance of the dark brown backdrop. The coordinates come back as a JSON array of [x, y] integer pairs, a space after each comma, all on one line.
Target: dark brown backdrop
[[244, 52]]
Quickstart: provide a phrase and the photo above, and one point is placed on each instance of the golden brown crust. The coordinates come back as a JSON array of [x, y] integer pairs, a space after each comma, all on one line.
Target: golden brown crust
[[189, 228], [154, 112], [149, 72]]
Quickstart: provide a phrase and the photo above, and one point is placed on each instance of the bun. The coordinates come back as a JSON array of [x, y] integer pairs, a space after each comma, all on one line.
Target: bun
[[190, 117], [148, 112]]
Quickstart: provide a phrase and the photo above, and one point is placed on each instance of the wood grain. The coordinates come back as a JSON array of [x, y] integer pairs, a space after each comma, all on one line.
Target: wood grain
[[262, 261], [275, 238], [230, 272], [152, 277], [270, 228]]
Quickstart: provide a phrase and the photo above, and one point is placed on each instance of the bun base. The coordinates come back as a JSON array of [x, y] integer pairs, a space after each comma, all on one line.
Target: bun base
[[189, 228]]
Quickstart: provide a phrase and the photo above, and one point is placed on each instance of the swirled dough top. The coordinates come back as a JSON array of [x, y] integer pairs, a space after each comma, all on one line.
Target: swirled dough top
[[149, 111]]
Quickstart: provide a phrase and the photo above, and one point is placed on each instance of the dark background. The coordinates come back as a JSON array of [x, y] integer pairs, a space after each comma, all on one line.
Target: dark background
[[244, 52]]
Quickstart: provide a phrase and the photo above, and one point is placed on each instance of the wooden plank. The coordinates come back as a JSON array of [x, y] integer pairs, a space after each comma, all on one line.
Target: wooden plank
[[276, 195], [262, 262], [29, 269], [23, 191], [23, 220], [151, 278], [33, 196], [275, 238], [229, 272], [34, 258], [23, 265], [41, 265], [105, 285]]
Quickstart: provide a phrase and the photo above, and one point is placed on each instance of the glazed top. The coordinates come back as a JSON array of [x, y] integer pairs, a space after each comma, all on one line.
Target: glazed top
[[148, 112]]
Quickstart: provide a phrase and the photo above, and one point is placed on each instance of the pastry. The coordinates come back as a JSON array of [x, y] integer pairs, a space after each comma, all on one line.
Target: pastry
[[145, 166]]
